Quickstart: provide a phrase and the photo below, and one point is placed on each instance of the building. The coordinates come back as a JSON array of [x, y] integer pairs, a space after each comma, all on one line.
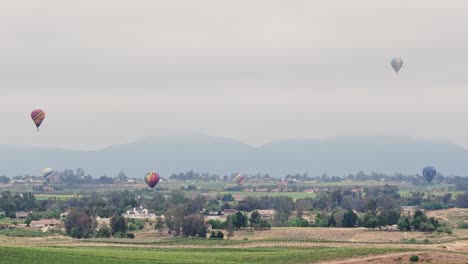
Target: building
[[228, 212], [46, 224], [22, 215], [139, 213], [267, 214]]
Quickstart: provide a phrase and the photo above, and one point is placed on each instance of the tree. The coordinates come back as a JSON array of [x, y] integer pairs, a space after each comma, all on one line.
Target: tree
[[213, 235], [106, 180], [370, 221], [118, 224], [194, 206], [264, 224], [404, 224], [78, 224], [320, 221], [159, 225], [194, 225], [462, 200], [4, 179], [298, 222], [104, 231], [217, 224], [418, 219], [121, 176], [97, 206], [331, 220], [349, 219], [230, 226], [391, 217], [239, 220], [372, 205], [28, 219], [255, 219], [176, 219], [283, 207], [158, 203], [220, 235]]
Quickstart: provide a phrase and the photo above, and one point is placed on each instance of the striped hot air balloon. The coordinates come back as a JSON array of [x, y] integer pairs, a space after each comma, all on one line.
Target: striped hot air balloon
[[46, 172], [239, 178], [152, 179], [38, 116]]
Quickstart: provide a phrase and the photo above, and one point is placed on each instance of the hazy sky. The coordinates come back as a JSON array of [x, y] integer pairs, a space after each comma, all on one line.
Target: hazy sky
[[115, 71]]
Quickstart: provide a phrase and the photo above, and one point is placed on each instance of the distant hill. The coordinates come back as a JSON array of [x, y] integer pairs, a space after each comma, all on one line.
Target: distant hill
[[335, 156]]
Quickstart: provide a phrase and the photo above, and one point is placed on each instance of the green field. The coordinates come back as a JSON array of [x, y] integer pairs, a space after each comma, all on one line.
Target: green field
[[60, 197], [91, 255], [294, 195], [18, 232]]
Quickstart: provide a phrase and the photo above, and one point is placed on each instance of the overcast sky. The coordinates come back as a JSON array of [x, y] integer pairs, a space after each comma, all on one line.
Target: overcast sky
[[115, 71]]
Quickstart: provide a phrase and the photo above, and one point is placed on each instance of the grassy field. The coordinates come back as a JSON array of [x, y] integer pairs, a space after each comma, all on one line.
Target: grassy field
[[90, 255], [23, 233], [294, 195], [60, 197]]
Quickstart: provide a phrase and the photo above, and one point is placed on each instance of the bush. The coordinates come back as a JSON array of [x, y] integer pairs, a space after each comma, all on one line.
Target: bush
[[217, 224], [220, 235], [414, 258], [426, 227], [444, 229], [463, 225], [119, 235], [130, 235], [104, 231], [213, 235], [297, 222]]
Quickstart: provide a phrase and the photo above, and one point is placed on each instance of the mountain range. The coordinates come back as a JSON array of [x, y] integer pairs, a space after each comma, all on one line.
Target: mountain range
[[336, 156]]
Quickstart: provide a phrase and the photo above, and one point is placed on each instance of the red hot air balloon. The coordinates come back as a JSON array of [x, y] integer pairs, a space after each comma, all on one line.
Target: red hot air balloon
[[152, 178], [38, 116]]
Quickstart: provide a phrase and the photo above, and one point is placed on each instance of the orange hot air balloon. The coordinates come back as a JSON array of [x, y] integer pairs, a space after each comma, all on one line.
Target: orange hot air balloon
[[38, 116], [152, 179]]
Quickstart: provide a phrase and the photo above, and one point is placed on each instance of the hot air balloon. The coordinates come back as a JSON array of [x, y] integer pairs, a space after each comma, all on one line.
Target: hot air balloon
[[46, 172], [429, 173], [38, 116], [396, 64], [239, 178], [152, 178]]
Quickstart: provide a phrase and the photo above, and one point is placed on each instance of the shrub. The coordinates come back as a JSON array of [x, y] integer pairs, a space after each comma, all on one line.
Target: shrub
[[414, 258], [463, 224], [104, 231], [213, 235]]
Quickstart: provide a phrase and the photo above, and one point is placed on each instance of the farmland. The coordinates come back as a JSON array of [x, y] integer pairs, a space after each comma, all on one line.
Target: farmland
[[92, 255], [278, 245]]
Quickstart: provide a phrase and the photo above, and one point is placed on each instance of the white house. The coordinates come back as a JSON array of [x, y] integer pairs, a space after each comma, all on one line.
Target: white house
[[139, 213]]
